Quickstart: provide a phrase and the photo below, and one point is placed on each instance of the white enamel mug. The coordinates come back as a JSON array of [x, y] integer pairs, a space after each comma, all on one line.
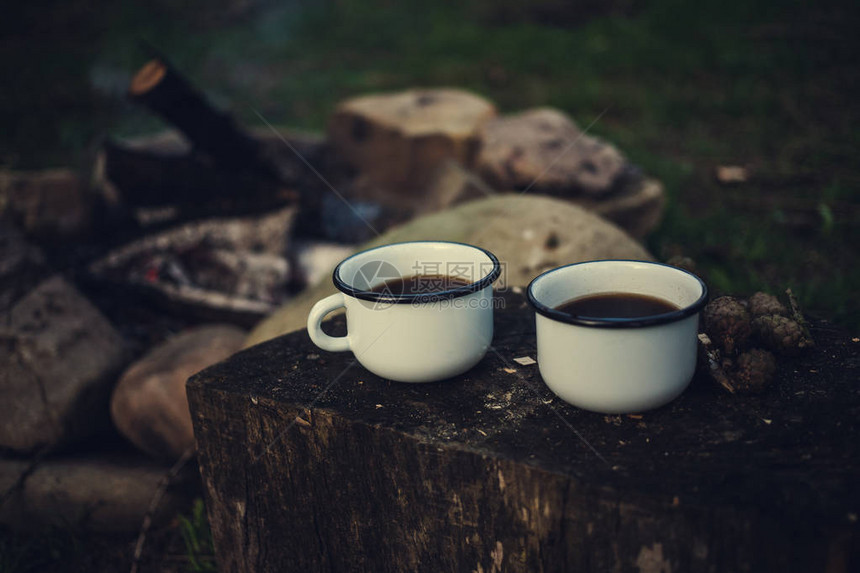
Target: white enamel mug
[[617, 365], [419, 337]]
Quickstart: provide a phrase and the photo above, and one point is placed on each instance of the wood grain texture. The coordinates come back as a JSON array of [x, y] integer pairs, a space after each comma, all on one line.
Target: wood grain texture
[[311, 463]]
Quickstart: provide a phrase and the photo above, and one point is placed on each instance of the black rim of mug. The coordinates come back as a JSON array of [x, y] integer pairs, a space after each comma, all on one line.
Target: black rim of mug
[[417, 298], [638, 322]]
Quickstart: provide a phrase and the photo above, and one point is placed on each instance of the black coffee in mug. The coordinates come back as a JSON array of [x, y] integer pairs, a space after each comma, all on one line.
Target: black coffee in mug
[[617, 305], [420, 284]]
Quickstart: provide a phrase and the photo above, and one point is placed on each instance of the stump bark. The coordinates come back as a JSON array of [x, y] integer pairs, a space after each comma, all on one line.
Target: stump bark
[[310, 463]]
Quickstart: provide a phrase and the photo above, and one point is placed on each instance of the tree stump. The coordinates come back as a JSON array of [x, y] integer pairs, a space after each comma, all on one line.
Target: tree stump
[[311, 463]]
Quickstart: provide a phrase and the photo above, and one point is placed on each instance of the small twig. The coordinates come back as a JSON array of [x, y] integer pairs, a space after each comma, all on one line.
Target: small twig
[[714, 360], [797, 316], [153, 505]]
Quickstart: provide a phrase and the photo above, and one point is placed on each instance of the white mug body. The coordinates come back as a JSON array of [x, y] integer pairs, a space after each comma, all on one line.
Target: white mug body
[[617, 365], [420, 338], [421, 342]]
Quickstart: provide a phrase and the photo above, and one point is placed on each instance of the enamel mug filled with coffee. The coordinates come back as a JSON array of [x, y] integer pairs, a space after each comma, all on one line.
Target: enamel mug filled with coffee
[[415, 312], [617, 336]]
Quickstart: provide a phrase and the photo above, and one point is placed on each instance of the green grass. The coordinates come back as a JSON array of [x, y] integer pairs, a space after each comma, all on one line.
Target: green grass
[[197, 536], [687, 86]]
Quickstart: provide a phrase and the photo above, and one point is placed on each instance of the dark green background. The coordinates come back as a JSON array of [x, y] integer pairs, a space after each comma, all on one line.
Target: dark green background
[[687, 86]]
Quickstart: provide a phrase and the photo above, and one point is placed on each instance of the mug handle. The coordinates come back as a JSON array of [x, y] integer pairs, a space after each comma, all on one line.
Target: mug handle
[[317, 314]]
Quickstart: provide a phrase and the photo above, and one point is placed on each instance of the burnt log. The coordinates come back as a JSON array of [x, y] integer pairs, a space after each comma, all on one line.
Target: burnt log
[[225, 269], [159, 87], [310, 463], [217, 164], [150, 178]]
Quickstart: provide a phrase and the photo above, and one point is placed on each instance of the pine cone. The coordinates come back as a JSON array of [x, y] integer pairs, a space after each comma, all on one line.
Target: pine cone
[[727, 323], [761, 304], [780, 333], [753, 370]]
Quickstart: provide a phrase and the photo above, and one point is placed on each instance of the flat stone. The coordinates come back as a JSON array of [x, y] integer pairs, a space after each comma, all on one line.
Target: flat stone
[[59, 359], [544, 149], [529, 234], [104, 493], [544, 152], [149, 406]]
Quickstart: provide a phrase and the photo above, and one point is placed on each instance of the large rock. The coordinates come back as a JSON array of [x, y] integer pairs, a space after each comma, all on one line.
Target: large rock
[[58, 359], [396, 141], [50, 204], [529, 234], [149, 406], [543, 151], [109, 494]]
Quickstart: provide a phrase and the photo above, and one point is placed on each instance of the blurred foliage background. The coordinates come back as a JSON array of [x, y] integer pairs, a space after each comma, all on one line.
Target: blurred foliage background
[[770, 85]]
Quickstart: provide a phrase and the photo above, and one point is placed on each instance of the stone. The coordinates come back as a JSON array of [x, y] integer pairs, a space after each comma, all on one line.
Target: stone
[[397, 140], [452, 184], [149, 406], [49, 204], [59, 357], [529, 234], [447, 184], [359, 212], [22, 265], [543, 151], [315, 259], [100, 493]]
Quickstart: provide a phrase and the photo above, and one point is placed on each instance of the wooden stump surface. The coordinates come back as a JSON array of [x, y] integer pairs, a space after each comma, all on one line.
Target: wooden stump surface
[[312, 463]]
